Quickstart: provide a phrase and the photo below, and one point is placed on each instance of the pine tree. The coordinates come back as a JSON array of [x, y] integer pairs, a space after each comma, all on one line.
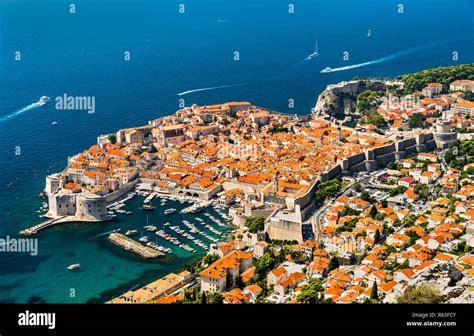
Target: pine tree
[[373, 211], [377, 236], [333, 263], [203, 298], [374, 293]]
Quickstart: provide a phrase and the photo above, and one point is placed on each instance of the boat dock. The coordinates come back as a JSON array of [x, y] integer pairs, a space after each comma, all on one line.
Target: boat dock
[[33, 230], [133, 246], [149, 197]]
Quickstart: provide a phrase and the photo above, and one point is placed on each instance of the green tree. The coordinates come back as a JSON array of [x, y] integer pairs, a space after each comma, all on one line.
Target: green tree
[[238, 283], [365, 196], [311, 292], [209, 258], [374, 295], [217, 298], [367, 100], [373, 211], [392, 165], [357, 186], [468, 95], [417, 120], [444, 75], [112, 138], [203, 298], [377, 237], [255, 224], [279, 129], [373, 118], [422, 190], [413, 237], [398, 190], [328, 189], [470, 170], [264, 265], [333, 264]]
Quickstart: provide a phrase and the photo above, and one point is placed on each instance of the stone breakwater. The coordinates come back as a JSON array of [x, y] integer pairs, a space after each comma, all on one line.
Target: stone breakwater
[[133, 246]]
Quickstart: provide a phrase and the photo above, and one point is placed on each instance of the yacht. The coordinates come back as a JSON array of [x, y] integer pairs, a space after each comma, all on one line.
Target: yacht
[[368, 34], [54, 123], [148, 207], [43, 100], [74, 266], [169, 211], [315, 53], [196, 208], [326, 70], [150, 228], [131, 232]]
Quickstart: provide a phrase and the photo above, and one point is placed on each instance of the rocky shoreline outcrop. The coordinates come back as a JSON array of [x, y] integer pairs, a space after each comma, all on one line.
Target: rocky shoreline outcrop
[[340, 99], [453, 285]]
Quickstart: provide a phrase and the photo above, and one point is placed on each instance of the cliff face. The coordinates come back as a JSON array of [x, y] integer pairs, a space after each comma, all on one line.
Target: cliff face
[[341, 98], [451, 282]]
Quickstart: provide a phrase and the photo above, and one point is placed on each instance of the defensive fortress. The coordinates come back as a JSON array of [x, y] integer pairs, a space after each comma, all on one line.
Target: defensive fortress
[[275, 171], [290, 226]]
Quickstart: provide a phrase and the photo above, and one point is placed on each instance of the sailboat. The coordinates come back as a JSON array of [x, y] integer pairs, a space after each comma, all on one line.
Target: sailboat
[[315, 53], [368, 34], [143, 239]]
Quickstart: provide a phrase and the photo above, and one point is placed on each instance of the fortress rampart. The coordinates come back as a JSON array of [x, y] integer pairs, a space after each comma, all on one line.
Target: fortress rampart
[[371, 160]]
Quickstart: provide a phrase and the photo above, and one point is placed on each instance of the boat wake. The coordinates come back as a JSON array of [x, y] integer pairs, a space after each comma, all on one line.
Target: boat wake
[[43, 100], [205, 89], [379, 60], [20, 111], [100, 235]]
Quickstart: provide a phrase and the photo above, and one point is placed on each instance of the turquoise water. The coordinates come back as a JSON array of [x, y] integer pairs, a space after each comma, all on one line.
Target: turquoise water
[[101, 262], [82, 54]]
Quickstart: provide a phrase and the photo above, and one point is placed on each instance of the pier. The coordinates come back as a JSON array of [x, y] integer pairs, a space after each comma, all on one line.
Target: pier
[[149, 197], [33, 230], [131, 245]]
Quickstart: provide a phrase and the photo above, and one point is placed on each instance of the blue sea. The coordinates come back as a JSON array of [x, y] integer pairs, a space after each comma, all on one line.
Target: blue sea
[[172, 53]]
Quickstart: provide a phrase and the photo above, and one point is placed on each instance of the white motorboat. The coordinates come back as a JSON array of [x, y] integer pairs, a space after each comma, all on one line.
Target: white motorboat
[[74, 266]]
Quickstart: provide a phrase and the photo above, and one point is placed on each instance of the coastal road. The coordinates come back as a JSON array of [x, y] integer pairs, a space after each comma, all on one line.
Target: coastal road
[[316, 219]]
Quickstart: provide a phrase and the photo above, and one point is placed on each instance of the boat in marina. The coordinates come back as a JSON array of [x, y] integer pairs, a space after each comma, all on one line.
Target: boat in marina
[[150, 228], [131, 232], [169, 211], [196, 208], [148, 207], [143, 239]]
